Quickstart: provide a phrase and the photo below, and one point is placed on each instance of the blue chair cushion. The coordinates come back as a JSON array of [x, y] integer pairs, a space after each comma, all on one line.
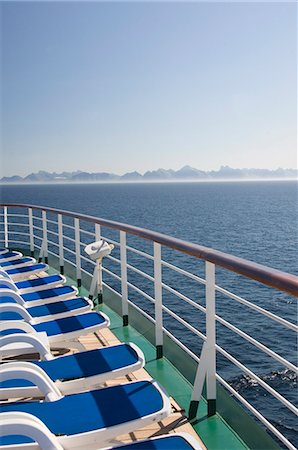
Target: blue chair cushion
[[41, 295], [15, 262], [90, 411], [26, 269], [89, 363], [65, 325], [69, 324], [36, 282], [48, 293], [7, 255], [83, 364], [48, 309], [58, 307]]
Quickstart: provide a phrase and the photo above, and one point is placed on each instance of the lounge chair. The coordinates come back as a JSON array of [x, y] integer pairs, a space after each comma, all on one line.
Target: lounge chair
[[20, 262], [74, 373], [14, 423], [25, 286], [177, 441], [10, 256], [90, 418], [20, 273], [60, 331], [43, 313], [39, 297]]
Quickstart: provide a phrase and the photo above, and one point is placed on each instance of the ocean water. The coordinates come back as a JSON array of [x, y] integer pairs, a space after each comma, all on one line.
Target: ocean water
[[252, 220]]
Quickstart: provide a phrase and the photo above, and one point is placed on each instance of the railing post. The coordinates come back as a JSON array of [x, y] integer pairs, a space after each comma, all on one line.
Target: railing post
[[97, 232], [78, 251], [99, 281], [31, 232], [206, 369], [44, 245], [124, 288], [211, 338], [60, 241], [5, 227], [158, 301], [96, 283]]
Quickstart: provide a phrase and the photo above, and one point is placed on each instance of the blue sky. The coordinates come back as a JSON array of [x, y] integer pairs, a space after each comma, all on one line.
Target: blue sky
[[117, 87]]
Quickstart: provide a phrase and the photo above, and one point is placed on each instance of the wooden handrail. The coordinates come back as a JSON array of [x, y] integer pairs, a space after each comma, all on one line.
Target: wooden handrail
[[270, 277]]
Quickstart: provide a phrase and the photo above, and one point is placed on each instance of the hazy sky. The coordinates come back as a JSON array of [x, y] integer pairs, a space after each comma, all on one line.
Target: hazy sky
[[117, 87]]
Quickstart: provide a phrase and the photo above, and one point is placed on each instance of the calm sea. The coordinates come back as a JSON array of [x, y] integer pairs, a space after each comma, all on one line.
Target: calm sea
[[252, 220]]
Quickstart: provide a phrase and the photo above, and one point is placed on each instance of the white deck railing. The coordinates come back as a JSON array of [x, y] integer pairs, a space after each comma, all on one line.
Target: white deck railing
[[64, 236]]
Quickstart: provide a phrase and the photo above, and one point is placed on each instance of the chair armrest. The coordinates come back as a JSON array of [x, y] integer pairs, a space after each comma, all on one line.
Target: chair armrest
[[14, 295], [16, 324], [21, 423], [22, 370], [18, 309], [38, 341]]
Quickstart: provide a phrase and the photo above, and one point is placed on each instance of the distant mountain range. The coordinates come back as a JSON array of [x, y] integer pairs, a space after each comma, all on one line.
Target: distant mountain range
[[186, 173]]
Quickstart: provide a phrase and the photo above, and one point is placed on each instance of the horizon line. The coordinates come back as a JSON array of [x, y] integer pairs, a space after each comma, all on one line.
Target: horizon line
[[214, 180]]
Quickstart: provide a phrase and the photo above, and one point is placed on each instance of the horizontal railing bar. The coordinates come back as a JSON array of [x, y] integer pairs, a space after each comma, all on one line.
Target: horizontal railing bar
[[87, 232], [270, 277], [167, 332], [257, 344], [186, 349], [140, 272], [256, 413], [68, 238], [18, 232], [52, 221], [135, 288], [184, 297], [37, 228], [68, 261], [111, 273], [183, 272], [140, 252], [37, 237], [52, 232], [13, 224], [183, 322], [71, 227], [255, 377], [88, 260], [65, 259], [69, 250], [53, 243], [112, 258], [17, 242], [263, 311], [111, 289], [15, 215], [52, 253], [86, 272], [37, 218], [141, 311]]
